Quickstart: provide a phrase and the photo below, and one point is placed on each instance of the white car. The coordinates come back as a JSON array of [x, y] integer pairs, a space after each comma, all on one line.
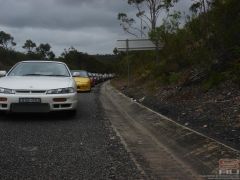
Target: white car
[[38, 86]]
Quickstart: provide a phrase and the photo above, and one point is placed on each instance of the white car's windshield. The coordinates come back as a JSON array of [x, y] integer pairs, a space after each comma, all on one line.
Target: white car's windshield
[[40, 69]]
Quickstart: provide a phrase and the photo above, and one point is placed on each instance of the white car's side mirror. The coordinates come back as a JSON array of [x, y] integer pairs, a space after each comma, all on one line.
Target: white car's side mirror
[[3, 73]]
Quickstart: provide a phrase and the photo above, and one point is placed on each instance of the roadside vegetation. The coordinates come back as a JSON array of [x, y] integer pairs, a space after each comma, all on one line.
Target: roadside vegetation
[[195, 79], [205, 50]]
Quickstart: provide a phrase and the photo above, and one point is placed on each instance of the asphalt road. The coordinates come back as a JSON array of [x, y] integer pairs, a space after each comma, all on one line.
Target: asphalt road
[[55, 146]]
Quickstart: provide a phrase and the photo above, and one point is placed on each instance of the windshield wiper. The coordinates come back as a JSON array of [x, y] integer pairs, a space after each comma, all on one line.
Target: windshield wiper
[[34, 75], [58, 75]]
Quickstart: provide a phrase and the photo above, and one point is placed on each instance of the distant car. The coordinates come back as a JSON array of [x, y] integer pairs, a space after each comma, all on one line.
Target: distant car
[[93, 81], [38, 86], [94, 75], [82, 80]]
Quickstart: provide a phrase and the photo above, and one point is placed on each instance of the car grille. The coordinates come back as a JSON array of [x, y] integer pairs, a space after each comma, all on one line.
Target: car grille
[[30, 91], [31, 107]]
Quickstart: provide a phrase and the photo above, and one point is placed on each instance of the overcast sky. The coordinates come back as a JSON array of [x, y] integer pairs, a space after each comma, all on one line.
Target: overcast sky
[[88, 25]]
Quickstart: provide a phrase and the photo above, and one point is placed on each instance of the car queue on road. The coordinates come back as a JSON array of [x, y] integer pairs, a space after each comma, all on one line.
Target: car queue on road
[[86, 80], [44, 86]]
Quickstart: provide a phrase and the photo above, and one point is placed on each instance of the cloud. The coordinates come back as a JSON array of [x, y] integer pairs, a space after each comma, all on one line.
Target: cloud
[[50, 14], [88, 25]]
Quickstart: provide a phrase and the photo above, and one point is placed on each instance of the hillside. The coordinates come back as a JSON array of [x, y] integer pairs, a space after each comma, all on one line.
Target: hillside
[[196, 81]]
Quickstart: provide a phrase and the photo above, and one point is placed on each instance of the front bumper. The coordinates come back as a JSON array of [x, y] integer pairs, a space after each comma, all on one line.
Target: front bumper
[[47, 103], [83, 87]]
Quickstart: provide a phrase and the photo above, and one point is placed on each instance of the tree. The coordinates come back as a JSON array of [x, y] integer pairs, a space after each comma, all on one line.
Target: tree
[[169, 26], [115, 51], [29, 46], [51, 55], [128, 24], [200, 6], [6, 40], [44, 50], [79, 60], [148, 12]]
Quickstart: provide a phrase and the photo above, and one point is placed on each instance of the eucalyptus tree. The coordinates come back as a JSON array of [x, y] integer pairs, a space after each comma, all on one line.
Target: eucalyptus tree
[[45, 51], [148, 12], [6, 40], [200, 6], [29, 45]]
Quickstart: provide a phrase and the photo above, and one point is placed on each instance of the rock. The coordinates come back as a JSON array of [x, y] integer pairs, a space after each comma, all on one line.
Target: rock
[[199, 110], [112, 138], [220, 98], [133, 100], [123, 88], [142, 99]]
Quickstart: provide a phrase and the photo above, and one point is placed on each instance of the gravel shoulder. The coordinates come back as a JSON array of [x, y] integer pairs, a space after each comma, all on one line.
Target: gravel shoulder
[[162, 148]]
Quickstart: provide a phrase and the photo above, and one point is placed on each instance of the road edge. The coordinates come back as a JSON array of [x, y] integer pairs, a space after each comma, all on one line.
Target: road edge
[[172, 121]]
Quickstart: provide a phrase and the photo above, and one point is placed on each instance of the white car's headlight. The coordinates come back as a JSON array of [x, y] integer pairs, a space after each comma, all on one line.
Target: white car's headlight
[[7, 91], [61, 91]]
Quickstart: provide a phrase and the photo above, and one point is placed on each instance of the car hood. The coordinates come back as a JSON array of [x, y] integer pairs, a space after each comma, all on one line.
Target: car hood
[[36, 82], [81, 79]]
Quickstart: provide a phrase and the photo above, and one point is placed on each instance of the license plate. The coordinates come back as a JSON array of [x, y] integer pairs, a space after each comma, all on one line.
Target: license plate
[[29, 100]]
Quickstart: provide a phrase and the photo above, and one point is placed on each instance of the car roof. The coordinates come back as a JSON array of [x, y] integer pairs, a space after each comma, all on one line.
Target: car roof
[[41, 61]]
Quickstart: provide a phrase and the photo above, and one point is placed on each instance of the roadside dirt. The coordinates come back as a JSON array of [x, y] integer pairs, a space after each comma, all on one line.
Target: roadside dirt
[[215, 113], [161, 148]]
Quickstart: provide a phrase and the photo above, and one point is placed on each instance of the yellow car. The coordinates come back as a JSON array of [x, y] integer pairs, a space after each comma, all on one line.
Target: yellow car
[[82, 80]]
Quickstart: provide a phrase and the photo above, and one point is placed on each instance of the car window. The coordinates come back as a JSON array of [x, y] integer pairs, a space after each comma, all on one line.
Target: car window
[[39, 69], [80, 73]]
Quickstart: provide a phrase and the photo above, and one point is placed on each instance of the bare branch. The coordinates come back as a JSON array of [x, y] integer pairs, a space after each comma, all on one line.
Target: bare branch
[[148, 12]]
